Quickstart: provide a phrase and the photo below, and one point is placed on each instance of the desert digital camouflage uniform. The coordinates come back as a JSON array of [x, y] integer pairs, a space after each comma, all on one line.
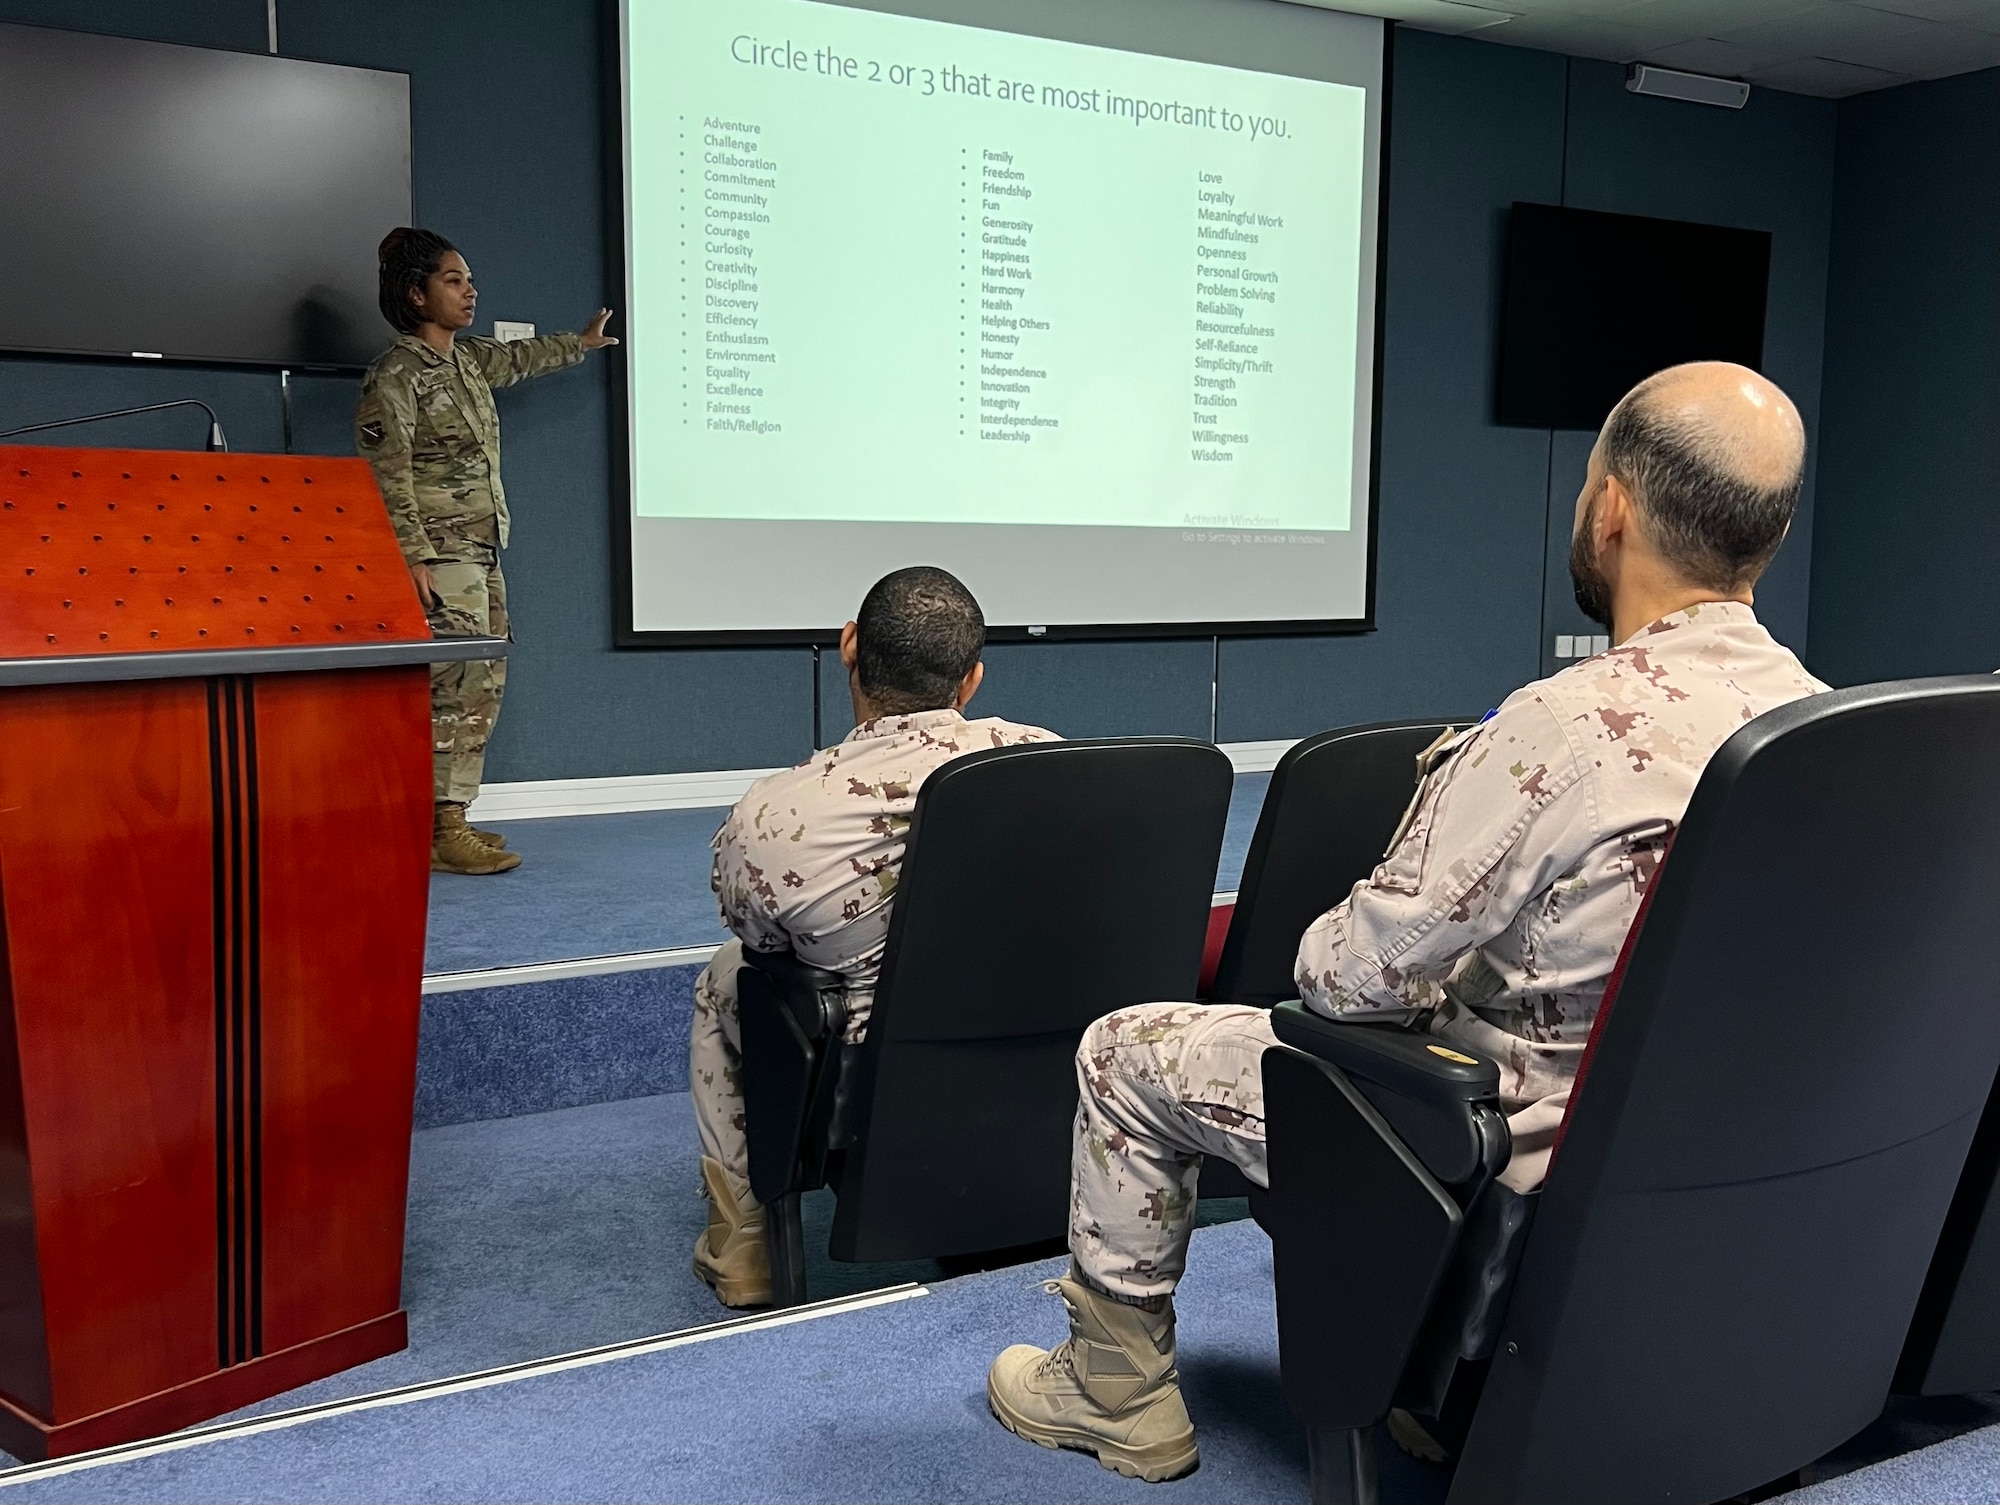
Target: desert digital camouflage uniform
[[427, 424], [807, 862], [1494, 920]]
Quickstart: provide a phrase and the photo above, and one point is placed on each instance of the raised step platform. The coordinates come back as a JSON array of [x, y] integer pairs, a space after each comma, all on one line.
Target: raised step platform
[[571, 979]]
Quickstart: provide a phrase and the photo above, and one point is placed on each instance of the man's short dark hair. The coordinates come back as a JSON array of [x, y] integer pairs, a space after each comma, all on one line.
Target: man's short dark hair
[[1717, 529], [918, 634]]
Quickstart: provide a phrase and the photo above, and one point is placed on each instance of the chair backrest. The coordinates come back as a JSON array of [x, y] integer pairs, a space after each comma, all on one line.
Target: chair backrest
[[1332, 806], [1954, 1343], [1732, 1238], [1042, 886]]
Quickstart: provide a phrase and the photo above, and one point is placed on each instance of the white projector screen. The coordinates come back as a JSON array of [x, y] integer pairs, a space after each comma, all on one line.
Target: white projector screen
[[1075, 298]]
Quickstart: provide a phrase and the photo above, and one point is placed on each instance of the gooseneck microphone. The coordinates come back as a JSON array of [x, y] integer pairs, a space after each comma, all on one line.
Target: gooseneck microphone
[[215, 440]]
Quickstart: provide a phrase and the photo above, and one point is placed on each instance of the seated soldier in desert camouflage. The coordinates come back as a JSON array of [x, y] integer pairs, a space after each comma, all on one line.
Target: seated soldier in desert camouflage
[[1493, 921], [807, 863]]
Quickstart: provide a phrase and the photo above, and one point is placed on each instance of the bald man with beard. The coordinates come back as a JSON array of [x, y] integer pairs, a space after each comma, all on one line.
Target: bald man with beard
[[1494, 919]]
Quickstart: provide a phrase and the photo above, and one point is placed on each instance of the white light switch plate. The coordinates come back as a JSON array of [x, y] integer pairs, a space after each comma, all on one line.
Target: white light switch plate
[[1565, 645], [1600, 644], [502, 330]]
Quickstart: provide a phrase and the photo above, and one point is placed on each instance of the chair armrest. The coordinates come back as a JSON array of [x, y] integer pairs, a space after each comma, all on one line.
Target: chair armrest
[[1442, 1101], [815, 997], [1350, 1309], [1414, 1064], [791, 1017]]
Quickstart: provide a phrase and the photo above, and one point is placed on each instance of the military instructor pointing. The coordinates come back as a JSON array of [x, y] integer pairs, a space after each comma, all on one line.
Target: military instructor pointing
[[426, 422]]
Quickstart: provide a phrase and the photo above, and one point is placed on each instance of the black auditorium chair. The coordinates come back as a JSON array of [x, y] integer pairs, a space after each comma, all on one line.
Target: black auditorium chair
[[1774, 1114], [1333, 804], [1042, 886], [1954, 1342]]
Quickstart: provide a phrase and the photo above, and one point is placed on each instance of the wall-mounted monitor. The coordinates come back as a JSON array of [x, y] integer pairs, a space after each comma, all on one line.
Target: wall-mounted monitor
[[192, 204], [1077, 301], [1596, 302]]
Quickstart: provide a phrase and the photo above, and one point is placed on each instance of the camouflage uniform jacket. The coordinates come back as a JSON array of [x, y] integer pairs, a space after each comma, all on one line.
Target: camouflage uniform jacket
[[427, 424], [808, 859], [1505, 898]]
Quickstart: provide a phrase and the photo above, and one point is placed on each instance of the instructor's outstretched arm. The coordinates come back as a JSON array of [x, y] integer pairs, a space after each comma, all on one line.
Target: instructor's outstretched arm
[[505, 362]]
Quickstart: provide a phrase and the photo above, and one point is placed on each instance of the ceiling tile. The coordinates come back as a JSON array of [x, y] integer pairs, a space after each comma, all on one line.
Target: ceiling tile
[[1875, 39], [1829, 47], [1697, 18], [1597, 10], [1706, 55], [1980, 15], [1936, 52], [1448, 16], [1584, 36], [1824, 77]]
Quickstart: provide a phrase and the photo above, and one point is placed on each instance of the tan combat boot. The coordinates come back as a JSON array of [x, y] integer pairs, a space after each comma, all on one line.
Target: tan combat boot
[[1111, 1389], [731, 1255], [455, 849], [1416, 1439], [485, 837]]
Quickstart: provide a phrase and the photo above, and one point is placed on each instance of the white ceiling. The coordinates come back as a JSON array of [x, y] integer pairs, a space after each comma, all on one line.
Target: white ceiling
[[1826, 47]]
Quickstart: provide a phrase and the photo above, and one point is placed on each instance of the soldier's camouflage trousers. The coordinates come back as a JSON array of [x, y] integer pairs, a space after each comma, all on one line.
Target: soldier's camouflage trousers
[[465, 697], [715, 1064], [1160, 1085]]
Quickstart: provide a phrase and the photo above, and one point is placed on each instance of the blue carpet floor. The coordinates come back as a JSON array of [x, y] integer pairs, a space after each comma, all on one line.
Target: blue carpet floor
[[1963, 1471], [598, 885], [553, 1232], [1246, 803], [588, 885], [557, 1231], [884, 1403]]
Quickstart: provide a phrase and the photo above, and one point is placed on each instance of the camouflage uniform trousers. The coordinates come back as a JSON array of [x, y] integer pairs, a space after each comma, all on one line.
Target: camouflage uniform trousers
[[1160, 1085], [465, 697], [715, 1065]]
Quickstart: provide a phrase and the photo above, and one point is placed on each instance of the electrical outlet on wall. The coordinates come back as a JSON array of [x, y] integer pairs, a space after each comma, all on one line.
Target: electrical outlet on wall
[[1581, 644], [503, 331]]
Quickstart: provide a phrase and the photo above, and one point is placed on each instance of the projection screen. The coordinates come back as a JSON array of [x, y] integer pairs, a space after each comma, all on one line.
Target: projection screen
[[1077, 300]]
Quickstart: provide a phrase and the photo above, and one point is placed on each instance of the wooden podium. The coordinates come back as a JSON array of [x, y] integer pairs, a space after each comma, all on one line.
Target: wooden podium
[[215, 806]]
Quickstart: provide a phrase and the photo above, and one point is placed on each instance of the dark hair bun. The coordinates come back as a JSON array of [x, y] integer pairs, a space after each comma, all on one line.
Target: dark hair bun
[[393, 244]]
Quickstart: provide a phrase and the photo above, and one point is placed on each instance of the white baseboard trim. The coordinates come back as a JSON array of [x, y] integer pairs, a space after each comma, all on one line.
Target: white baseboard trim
[[1257, 757], [583, 966], [539, 799]]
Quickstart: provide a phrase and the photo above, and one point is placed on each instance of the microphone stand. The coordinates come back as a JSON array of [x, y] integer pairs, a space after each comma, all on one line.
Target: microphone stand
[[216, 443]]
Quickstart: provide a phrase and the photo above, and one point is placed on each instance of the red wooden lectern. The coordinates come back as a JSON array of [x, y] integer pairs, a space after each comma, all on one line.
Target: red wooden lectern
[[215, 795]]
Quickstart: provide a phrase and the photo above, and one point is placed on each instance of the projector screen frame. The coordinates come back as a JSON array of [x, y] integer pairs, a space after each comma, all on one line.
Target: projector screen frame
[[617, 230]]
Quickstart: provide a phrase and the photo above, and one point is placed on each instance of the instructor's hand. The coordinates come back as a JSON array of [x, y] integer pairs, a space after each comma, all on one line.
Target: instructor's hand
[[420, 576], [594, 337]]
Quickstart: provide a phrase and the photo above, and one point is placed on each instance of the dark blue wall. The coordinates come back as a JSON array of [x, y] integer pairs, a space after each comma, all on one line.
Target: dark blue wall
[[1768, 166], [1906, 556], [509, 162]]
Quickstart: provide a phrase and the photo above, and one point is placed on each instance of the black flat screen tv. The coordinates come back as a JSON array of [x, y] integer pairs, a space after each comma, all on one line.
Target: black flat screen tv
[[1596, 302], [192, 204]]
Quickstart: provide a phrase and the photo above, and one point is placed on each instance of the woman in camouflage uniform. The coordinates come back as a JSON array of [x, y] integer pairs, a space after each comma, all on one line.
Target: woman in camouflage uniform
[[427, 424]]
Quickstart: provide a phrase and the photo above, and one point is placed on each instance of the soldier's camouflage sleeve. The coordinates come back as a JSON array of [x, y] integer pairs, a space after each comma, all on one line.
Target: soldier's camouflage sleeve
[[743, 892], [1493, 828], [504, 362], [385, 426]]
